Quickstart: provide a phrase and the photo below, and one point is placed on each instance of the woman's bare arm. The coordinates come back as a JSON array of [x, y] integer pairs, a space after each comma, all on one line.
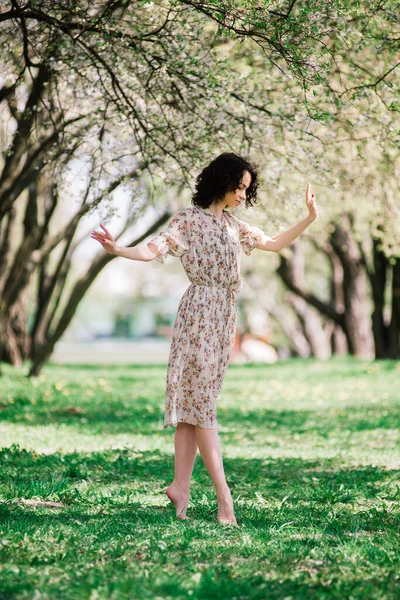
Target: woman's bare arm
[[105, 238], [136, 253], [281, 240]]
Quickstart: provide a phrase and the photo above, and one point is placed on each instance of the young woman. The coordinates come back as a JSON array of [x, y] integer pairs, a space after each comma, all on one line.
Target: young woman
[[207, 238]]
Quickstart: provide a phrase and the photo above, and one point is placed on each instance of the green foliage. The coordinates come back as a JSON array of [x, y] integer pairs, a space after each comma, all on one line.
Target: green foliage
[[310, 451], [175, 83]]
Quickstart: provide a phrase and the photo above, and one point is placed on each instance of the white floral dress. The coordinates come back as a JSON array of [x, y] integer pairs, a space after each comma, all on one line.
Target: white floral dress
[[205, 324]]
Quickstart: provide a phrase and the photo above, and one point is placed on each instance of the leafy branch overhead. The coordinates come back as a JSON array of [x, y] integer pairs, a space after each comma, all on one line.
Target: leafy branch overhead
[[296, 34], [180, 77]]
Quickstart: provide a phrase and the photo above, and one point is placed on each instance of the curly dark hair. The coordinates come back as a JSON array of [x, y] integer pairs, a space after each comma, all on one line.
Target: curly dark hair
[[223, 175]]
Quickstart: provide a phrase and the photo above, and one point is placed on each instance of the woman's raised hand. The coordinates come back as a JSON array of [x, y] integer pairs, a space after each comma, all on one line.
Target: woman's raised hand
[[105, 238], [310, 201]]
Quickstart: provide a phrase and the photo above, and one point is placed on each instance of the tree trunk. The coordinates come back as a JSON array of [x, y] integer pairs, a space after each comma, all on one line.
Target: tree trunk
[[378, 285], [44, 342], [338, 337], [293, 331], [311, 326], [394, 326], [14, 169], [355, 289], [16, 277], [13, 338], [292, 273]]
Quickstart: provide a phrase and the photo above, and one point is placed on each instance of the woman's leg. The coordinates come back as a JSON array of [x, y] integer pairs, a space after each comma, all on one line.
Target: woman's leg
[[210, 450], [185, 453]]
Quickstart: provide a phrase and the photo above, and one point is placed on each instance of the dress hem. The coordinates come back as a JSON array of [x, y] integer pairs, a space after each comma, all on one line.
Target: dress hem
[[175, 423]]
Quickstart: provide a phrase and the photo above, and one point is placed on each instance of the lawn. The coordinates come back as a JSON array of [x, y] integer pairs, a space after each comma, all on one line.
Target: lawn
[[311, 452]]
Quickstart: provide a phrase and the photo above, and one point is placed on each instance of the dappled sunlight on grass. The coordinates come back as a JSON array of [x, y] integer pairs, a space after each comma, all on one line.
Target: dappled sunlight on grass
[[311, 455]]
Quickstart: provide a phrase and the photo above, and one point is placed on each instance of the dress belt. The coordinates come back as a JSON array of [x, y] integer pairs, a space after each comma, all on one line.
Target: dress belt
[[220, 287]]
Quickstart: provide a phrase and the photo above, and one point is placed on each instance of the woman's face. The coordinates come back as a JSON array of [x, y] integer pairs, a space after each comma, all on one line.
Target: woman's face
[[234, 199]]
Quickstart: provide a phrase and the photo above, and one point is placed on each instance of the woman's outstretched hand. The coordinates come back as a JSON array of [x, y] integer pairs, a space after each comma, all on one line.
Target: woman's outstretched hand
[[105, 238], [310, 201]]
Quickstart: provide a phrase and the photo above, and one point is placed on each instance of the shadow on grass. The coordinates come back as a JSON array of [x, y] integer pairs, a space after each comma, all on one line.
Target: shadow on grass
[[321, 421], [114, 507], [215, 583], [113, 477], [142, 418], [219, 583]]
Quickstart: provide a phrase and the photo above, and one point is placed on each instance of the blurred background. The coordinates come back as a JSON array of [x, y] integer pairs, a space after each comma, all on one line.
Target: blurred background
[[113, 123]]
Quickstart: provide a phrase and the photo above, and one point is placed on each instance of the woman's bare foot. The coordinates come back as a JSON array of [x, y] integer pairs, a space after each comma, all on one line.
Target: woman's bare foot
[[226, 516], [180, 499]]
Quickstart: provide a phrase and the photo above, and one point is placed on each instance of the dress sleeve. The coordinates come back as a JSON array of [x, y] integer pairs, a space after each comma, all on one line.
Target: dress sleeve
[[173, 240], [249, 236]]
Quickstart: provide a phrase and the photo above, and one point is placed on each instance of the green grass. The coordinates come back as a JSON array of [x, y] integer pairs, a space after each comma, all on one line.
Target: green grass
[[311, 452]]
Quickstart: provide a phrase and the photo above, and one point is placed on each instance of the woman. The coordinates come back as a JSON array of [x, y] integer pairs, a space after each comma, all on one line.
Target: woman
[[207, 239]]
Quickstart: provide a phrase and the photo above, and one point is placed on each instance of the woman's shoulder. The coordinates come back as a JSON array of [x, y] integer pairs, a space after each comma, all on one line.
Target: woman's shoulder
[[188, 211], [184, 216], [181, 214]]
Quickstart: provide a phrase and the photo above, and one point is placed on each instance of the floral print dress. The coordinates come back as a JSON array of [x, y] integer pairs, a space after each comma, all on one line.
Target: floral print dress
[[205, 324]]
